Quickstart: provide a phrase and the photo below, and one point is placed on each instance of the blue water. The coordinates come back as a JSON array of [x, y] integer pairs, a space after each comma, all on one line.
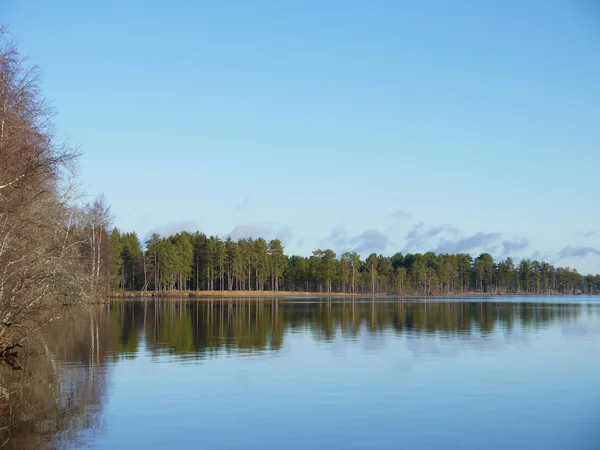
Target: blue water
[[523, 373]]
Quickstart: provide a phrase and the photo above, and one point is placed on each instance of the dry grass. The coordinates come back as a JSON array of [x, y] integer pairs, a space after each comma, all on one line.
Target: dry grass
[[205, 295], [231, 294]]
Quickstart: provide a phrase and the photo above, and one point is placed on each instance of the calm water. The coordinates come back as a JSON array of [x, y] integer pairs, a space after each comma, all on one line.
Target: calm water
[[499, 373]]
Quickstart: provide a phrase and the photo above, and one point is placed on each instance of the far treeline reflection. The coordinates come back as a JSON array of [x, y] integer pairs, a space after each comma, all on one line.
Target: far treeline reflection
[[186, 327]]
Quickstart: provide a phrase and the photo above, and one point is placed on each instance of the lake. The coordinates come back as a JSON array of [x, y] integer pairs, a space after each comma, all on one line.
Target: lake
[[472, 373]]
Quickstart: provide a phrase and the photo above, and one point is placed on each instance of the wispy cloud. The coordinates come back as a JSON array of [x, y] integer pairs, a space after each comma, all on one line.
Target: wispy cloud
[[587, 234], [174, 227], [577, 252], [338, 238], [513, 246], [369, 241], [243, 205], [448, 239], [399, 215], [265, 231], [423, 239], [539, 256], [466, 244]]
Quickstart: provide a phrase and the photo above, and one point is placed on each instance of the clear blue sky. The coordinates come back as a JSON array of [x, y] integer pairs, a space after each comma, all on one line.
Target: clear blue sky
[[377, 126]]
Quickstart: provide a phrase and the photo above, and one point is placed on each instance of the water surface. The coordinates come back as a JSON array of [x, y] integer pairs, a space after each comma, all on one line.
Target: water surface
[[499, 373]]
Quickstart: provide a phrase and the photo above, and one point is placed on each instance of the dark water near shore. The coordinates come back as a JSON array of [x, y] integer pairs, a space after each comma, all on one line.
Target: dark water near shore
[[500, 373]]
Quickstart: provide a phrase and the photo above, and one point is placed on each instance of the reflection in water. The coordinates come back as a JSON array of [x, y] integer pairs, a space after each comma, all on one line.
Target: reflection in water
[[57, 401], [59, 393], [201, 329]]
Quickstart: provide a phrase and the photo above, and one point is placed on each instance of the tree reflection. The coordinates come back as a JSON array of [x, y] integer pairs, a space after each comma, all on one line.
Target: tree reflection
[[57, 400], [204, 328]]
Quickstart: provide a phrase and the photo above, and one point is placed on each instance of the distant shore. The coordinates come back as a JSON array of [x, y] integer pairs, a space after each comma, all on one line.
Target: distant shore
[[230, 294], [291, 294]]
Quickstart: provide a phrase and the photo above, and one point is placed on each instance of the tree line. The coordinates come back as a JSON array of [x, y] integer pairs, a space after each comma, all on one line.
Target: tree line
[[194, 261]]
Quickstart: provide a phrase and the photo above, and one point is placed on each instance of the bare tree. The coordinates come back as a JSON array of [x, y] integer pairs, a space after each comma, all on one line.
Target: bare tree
[[97, 220], [42, 236]]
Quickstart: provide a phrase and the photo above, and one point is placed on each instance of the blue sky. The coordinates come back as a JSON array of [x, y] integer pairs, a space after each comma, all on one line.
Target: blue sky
[[377, 126]]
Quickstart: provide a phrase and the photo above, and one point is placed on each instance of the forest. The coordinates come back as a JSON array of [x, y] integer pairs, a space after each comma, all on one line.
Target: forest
[[196, 262]]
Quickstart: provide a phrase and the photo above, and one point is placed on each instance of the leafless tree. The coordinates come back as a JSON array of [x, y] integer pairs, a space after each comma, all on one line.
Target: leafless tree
[[43, 237]]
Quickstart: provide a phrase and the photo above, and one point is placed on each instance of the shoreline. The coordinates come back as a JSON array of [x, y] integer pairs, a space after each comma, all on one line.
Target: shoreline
[[242, 295]]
